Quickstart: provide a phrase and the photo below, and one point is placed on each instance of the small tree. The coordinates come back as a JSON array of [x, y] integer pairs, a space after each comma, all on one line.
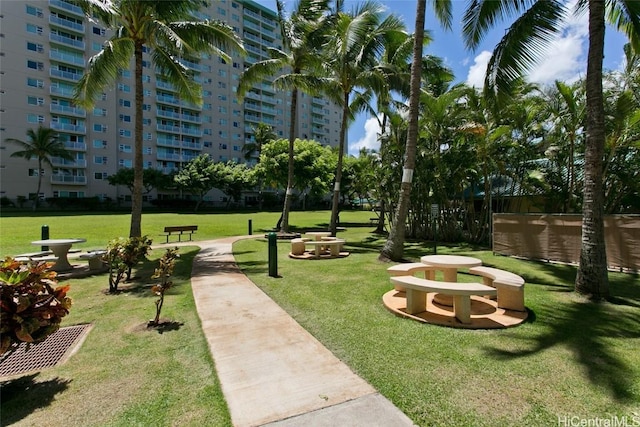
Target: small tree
[[135, 251], [196, 177], [32, 305], [163, 272]]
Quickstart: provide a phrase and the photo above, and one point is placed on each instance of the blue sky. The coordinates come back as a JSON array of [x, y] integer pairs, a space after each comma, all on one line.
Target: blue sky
[[565, 59]]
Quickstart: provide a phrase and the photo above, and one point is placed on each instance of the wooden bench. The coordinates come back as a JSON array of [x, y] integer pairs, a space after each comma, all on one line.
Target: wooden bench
[[509, 285], [180, 230], [416, 290], [410, 269], [95, 259]]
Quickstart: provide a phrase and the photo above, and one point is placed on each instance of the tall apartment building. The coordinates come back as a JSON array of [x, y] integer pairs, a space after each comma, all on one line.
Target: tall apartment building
[[44, 48]]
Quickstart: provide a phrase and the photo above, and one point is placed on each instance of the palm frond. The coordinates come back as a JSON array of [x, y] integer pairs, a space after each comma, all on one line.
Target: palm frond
[[522, 46], [102, 70], [625, 16], [178, 75]]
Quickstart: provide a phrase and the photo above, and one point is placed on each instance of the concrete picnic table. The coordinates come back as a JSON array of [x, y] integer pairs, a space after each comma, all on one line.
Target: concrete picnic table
[[318, 235], [449, 264], [60, 248]]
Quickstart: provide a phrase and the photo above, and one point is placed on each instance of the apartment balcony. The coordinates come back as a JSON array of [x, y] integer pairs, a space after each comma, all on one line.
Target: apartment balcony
[[269, 22], [66, 57], [75, 146], [68, 179], [252, 118], [65, 75], [164, 85], [67, 7], [253, 95], [316, 100], [191, 131], [67, 127], [168, 114], [61, 91], [168, 128], [194, 65], [251, 37], [318, 121], [268, 121], [268, 110], [167, 100], [251, 14], [192, 145], [166, 142], [62, 163], [67, 110], [317, 110], [169, 157], [191, 118], [70, 25], [252, 106], [269, 99], [67, 41]]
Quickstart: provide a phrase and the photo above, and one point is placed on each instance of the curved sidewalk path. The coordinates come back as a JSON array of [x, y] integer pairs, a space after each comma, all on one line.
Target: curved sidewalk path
[[272, 371]]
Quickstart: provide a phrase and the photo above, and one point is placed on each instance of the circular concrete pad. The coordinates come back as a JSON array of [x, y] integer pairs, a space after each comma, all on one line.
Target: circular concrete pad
[[485, 313]]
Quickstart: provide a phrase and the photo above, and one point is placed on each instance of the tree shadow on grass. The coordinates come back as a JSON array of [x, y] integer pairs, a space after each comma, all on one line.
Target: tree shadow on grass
[[585, 328], [24, 395]]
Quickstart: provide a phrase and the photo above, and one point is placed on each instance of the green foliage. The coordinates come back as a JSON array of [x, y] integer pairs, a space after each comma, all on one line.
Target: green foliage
[[151, 178], [164, 271], [122, 255], [32, 305], [313, 166]]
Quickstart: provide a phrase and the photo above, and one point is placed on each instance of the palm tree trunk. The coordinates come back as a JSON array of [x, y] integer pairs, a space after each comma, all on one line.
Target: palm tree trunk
[[394, 247], [592, 278], [37, 199], [333, 224], [136, 196], [284, 223]]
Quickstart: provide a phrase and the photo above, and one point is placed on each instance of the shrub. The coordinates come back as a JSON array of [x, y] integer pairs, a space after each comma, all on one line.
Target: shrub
[[163, 272], [32, 306], [122, 255]]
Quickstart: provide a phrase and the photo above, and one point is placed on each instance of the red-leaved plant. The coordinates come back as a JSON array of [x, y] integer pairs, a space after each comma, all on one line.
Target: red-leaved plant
[[163, 272], [32, 305]]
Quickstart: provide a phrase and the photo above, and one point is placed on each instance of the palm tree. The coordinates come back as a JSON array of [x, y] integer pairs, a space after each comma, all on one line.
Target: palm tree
[[520, 47], [262, 133], [167, 28], [394, 247], [300, 57], [353, 50], [42, 144]]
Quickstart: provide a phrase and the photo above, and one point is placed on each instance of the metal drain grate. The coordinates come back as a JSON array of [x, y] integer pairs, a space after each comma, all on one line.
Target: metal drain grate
[[50, 352]]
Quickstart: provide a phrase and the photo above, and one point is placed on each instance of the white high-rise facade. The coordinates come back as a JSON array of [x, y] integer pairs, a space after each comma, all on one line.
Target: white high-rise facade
[[44, 48]]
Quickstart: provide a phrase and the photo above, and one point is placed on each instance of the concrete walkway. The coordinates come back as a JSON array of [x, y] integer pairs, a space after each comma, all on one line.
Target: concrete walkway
[[272, 371]]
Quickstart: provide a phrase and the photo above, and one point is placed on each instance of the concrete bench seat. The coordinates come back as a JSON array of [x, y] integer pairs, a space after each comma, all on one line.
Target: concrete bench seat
[[95, 259], [416, 290], [410, 269], [297, 245], [509, 285], [334, 246]]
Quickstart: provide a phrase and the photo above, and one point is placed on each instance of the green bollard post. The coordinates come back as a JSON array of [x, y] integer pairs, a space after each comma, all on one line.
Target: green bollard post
[[273, 254]]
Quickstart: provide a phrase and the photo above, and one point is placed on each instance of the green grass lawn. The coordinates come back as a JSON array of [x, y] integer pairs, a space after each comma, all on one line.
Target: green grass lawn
[[572, 358]]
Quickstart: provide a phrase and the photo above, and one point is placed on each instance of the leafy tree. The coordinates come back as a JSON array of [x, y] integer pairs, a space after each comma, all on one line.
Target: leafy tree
[[42, 144], [519, 48], [354, 45], [233, 179], [197, 177], [313, 166], [300, 56], [152, 178], [169, 31], [32, 305]]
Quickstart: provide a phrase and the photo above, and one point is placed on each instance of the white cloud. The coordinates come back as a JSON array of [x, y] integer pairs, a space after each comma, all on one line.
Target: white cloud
[[475, 77], [370, 138]]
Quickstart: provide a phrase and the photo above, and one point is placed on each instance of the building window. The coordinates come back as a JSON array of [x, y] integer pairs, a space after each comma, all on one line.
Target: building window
[[223, 122], [124, 88], [100, 175], [34, 100], [125, 118], [99, 143], [34, 82], [124, 148], [34, 11], [34, 29], [98, 31], [100, 160], [124, 133], [99, 112], [96, 47], [148, 150], [124, 73], [35, 65], [222, 146], [125, 163], [124, 103], [35, 118], [34, 47], [148, 136], [99, 128], [35, 172]]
